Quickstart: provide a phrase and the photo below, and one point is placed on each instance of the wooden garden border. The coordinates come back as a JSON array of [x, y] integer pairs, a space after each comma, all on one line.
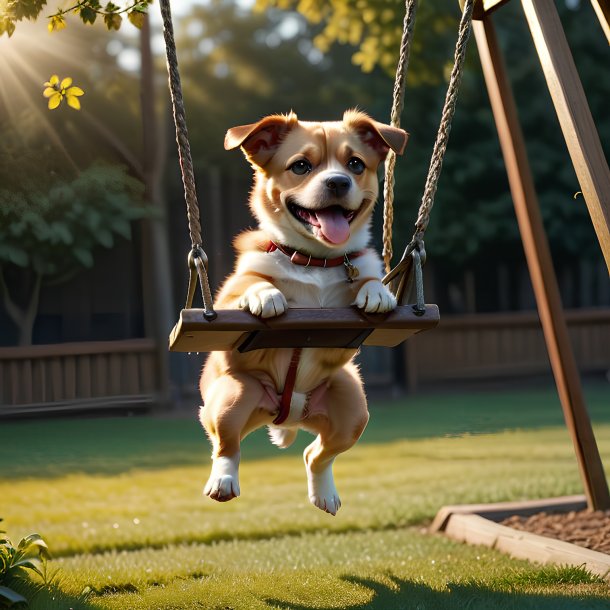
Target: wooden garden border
[[479, 524]]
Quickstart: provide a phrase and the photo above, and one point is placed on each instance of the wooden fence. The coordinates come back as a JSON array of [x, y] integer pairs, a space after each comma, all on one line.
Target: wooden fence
[[81, 376], [487, 346]]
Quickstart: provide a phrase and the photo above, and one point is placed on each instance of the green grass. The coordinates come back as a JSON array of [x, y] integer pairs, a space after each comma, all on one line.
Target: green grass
[[119, 501]]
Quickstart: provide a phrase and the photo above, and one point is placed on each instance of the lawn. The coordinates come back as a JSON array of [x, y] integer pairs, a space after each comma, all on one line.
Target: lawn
[[119, 501]]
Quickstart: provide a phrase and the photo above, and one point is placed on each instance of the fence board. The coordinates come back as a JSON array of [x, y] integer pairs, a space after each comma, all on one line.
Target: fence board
[[78, 375], [39, 381], [83, 377], [115, 374], [69, 367], [14, 383]]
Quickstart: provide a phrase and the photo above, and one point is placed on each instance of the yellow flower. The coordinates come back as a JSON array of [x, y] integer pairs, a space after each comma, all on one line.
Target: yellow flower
[[56, 91]]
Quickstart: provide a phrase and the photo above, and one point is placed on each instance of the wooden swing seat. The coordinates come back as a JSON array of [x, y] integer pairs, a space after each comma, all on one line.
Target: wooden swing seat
[[345, 327]]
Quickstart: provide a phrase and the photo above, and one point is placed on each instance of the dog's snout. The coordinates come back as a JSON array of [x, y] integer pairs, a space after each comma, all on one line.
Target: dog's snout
[[338, 184]]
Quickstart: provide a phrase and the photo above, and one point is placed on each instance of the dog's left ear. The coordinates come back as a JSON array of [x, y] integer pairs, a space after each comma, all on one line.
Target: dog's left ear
[[378, 136], [260, 141]]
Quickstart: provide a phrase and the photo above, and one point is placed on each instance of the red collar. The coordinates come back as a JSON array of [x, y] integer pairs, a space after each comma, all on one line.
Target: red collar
[[306, 260]]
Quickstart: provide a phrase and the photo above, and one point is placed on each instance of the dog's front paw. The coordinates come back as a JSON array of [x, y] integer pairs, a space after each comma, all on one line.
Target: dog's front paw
[[265, 302], [374, 297], [223, 484]]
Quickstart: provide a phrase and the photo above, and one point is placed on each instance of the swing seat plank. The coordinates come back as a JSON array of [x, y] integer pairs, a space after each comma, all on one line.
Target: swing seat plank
[[345, 327]]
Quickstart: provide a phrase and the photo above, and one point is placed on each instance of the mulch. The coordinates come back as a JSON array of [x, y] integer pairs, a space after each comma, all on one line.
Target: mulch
[[589, 529]]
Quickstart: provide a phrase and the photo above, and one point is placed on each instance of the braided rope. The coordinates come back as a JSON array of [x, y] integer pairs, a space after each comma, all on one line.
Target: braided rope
[[184, 148], [440, 145], [186, 161], [398, 99]]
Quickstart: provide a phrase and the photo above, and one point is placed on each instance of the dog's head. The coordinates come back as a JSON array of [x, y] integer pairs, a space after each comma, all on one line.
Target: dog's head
[[316, 183]]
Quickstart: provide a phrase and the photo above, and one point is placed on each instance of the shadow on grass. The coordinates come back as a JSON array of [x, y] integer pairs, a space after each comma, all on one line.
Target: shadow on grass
[[409, 595], [50, 597]]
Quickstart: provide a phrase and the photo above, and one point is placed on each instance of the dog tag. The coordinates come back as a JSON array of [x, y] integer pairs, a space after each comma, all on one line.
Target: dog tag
[[352, 272]]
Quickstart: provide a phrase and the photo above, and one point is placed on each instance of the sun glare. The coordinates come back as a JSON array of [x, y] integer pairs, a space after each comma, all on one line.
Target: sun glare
[[28, 59]]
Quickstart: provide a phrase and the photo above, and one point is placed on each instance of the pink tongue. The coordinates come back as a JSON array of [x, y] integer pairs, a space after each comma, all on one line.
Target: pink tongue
[[333, 224]]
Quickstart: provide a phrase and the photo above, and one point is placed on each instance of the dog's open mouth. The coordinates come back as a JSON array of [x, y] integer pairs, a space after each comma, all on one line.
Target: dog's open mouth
[[330, 223]]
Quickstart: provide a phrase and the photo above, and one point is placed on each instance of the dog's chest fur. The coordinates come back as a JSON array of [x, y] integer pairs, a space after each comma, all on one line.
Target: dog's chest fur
[[310, 286]]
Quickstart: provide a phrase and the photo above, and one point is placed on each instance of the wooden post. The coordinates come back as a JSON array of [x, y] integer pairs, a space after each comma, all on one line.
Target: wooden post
[[574, 115], [602, 10], [540, 266], [156, 276]]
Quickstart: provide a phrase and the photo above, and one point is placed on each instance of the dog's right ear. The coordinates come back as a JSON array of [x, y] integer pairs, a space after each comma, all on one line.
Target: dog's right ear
[[260, 141]]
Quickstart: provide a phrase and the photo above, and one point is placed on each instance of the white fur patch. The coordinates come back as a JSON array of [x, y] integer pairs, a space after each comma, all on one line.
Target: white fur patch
[[264, 300], [282, 437], [297, 406], [374, 297], [223, 484], [322, 490]]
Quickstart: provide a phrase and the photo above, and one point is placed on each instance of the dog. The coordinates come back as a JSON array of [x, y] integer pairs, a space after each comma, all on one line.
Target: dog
[[315, 186]]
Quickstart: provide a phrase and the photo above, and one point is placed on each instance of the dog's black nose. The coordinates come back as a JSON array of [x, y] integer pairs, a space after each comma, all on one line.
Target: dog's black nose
[[338, 184]]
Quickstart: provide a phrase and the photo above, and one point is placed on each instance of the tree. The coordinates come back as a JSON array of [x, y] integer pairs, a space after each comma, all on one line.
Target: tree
[[373, 28], [51, 226]]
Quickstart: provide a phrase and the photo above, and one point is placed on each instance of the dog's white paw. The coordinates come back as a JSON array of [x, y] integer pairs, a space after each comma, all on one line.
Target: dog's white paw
[[374, 297], [223, 484], [322, 490], [264, 302]]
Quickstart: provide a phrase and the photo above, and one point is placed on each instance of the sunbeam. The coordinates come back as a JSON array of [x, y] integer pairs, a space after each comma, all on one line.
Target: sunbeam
[[29, 58], [36, 107]]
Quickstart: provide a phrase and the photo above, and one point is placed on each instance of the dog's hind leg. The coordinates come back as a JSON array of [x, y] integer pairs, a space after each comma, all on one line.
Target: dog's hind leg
[[230, 412], [337, 432]]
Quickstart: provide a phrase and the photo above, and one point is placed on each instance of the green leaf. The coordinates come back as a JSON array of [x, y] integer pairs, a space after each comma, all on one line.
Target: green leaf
[[35, 540], [8, 26], [12, 596], [122, 226], [62, 232], [24, 543], [136, 18], [113, 21], [105, 238], [4, 564], [84, 257], [17, 256], [88, 15], [29, 565]]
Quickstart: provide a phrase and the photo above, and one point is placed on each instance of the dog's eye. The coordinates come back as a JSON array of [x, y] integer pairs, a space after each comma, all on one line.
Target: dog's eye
[[356, 165], [300, 167]]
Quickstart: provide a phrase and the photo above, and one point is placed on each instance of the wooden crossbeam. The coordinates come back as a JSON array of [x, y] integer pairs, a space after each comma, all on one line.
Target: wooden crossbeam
[[486, 7]]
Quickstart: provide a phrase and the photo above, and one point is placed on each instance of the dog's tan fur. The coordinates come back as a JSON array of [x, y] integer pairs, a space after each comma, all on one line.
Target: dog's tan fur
[[267, 283]]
